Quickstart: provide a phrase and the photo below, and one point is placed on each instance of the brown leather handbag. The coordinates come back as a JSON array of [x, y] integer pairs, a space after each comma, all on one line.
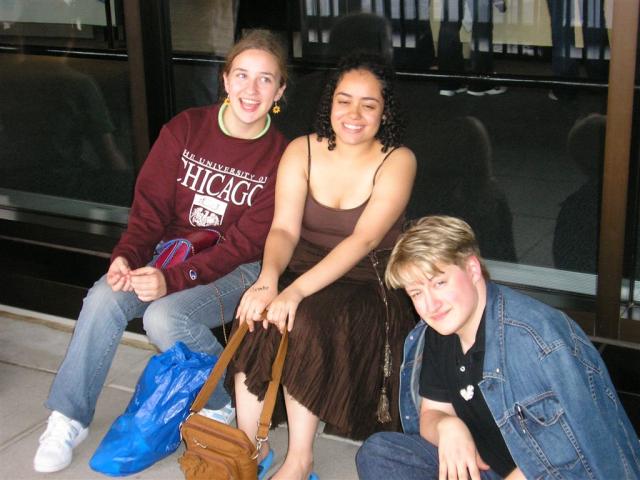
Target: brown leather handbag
[[215, 451]]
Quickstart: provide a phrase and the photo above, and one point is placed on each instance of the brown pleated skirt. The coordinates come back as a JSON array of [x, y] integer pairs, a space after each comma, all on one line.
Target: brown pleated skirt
[[334, 364]]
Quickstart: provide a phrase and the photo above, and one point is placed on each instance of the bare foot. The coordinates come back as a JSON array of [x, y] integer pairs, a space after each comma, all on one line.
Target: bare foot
[[264, 451], [294, 469]]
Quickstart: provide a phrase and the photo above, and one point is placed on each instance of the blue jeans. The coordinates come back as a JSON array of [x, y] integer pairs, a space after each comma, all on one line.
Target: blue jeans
[[186, 316], [401, 457]]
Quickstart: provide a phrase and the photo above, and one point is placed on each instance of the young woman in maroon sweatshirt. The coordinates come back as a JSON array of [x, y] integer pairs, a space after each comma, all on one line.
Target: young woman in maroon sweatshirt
[[211, 169]]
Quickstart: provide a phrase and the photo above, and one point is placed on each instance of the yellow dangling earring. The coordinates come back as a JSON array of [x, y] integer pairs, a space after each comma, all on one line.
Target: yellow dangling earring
[[226, 101], [276, 108]]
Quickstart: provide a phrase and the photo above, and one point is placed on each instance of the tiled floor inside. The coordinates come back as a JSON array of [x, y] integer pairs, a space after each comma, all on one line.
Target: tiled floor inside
[[31, 348]]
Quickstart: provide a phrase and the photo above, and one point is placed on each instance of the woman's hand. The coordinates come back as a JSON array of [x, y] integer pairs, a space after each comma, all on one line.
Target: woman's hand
[[282, 310], [148, 283], [119, 275], [254, 302]]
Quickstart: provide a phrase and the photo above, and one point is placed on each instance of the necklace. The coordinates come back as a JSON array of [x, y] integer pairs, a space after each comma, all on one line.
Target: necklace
[[223, 127]]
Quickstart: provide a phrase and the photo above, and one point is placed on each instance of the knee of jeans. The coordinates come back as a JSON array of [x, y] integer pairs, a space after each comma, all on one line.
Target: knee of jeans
[[100, 291], [372, 448], [161, 325], [101, 300], [366, 459]]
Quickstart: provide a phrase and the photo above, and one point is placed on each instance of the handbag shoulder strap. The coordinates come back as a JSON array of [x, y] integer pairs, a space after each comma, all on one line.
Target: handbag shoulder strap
[[223, 362]]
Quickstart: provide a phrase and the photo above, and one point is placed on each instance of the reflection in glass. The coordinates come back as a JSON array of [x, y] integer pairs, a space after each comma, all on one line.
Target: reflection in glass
[[203, 26], [34, 22], [528, 173], [477, 15], [565, 55], [565, 33], [196, 85], [64, 121], [575, 237], [362, 32], [57, 133], [456, 178]]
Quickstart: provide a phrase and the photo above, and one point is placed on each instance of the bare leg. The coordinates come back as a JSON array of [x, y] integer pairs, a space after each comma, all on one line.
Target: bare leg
[[248, 410], [302, 430]]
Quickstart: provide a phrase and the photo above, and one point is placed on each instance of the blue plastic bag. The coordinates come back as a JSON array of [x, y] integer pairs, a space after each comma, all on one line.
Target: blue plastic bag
[[148, 430]]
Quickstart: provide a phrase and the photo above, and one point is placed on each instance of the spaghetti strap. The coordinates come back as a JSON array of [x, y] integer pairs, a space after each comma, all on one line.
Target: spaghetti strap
[[381, 163], [309, 160]]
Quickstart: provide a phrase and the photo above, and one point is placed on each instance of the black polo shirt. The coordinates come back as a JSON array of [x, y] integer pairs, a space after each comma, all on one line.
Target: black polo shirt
[[450, 376]]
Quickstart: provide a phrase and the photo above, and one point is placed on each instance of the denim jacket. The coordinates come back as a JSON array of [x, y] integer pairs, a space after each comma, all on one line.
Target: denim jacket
[[548, 391]]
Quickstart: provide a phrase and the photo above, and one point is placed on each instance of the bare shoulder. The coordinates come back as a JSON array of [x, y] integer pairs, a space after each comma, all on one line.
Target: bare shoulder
[[294, 162], [301, 147], [296, 151], [402, 155], [297, 144], [400, 158]]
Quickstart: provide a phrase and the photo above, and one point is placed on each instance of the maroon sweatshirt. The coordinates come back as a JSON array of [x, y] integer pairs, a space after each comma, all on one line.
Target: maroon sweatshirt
[[196, 177]]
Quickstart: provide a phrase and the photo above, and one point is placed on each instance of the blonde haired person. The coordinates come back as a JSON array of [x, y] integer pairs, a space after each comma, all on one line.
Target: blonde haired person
[[494, 384]]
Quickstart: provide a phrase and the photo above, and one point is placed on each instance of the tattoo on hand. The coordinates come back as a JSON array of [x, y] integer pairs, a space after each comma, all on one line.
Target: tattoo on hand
[[259, 289]]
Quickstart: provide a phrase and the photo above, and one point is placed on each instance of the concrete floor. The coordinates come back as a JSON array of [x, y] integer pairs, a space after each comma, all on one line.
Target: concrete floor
[[32, 346]]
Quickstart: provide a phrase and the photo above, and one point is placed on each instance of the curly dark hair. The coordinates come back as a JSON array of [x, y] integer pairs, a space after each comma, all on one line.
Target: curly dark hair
[[391, 126]]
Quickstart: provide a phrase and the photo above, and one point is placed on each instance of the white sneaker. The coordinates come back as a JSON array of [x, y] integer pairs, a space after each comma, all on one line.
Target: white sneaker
[[450, 92], [226, 414], [498, 90], [57, 443]]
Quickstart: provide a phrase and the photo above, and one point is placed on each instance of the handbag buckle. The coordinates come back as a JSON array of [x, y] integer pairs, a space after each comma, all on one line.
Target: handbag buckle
[[259, 442]]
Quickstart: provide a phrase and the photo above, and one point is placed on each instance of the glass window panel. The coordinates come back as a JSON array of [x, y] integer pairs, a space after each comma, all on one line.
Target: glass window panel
[[570, 36], [65, 127], [65, 133], [524, 170], [205, 29], [196, 85], [78, 23], [203, 26]]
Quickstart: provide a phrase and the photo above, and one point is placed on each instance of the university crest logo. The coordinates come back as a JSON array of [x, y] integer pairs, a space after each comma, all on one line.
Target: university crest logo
[[206, 211]]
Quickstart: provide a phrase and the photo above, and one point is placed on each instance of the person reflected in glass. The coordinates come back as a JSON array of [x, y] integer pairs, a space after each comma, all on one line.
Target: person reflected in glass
[[450, 56], [213, 165], [457, 179], [565, 56], [575, 238], [55, 120], [340, 197]]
